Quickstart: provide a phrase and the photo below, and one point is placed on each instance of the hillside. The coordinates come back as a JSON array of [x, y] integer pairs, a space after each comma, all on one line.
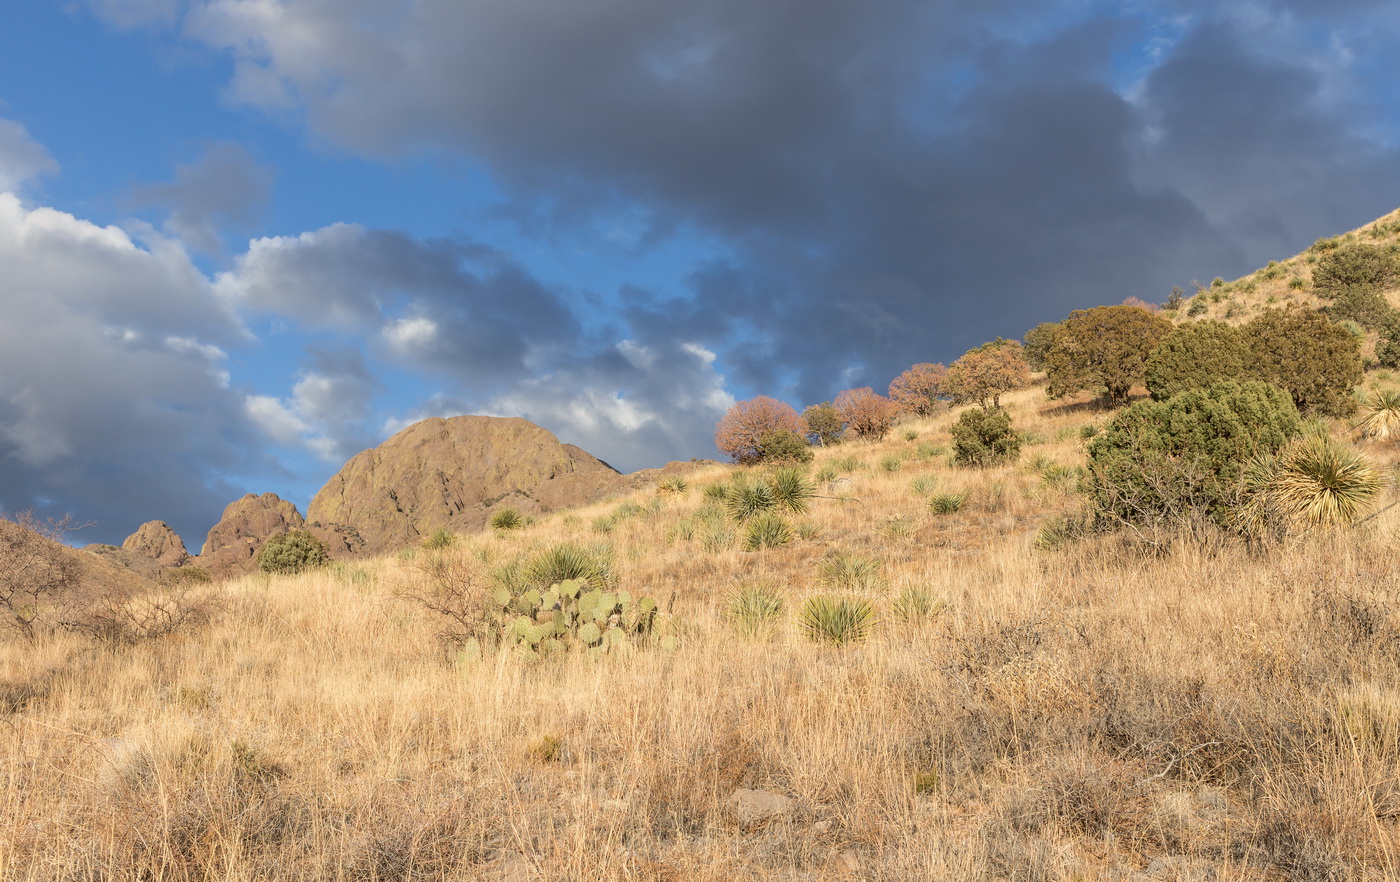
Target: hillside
[[1285, 281], [1102, 711]]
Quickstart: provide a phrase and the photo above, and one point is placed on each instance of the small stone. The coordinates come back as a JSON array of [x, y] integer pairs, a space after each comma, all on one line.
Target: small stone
[[821, 827], [750, 807]]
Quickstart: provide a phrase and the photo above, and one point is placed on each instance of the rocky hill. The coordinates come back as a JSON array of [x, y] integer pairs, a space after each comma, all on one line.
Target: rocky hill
[[452, 474]]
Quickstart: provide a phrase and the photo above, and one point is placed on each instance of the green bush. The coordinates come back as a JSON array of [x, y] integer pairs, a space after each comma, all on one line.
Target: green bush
[[782, 445], [507, 519], [984, 438], [1356, 267], [1166, 463], [1366, 307], [292, 552], [1195, 356], [1303, 352]]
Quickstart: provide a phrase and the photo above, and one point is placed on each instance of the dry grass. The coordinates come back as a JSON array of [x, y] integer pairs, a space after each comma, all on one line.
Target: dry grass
[[1091, 713]]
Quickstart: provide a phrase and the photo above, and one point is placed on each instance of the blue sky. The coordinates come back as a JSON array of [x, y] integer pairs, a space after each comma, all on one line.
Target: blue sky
[[245, 239]]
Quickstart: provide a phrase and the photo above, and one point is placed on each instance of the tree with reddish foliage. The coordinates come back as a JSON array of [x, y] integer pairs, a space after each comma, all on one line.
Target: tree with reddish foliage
[[985, 373], [866, 413], [740, 434], [919, 390]]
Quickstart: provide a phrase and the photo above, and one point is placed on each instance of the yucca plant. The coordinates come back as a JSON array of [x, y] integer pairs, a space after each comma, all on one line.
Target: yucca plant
[[1382, 418], [1321, 481], [507, 518], [767, 530], [716, 492], [438, 539], [923, 485], [838, 620], [754, 609], [891, 463], [947, 503], [674, 484], [851, 572], [749, 499], [592, 566], [791, 489]]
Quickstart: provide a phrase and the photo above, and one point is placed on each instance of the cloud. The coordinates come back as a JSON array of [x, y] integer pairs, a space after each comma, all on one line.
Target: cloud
[[891, 182], [21, 157], [225, 188], [329, 412], [435, 305], [114, 390]]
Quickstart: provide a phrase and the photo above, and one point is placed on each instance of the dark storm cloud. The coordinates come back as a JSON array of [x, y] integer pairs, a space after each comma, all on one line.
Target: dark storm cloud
[[895, 181]]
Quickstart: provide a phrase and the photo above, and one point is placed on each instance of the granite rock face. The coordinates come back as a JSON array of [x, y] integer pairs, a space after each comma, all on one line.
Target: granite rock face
[[155, 539], [233, 543], [452, 474]]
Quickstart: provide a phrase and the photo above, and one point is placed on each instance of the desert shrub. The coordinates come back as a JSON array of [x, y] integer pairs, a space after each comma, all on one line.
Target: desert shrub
[[1198, 307], [1059, 531], [1106, 347], [891, 463], [1165, 463], [1037, 342], [947, 503], [292, 552], [824, 425], [1366, 307], [35, 573], [674, 485], [748, 499], [920, 389], [791, 489], [740, 432], [753, 610], [1356, 267], [781, 445], [984, 374], [1319, 480], [837, 620], [1195, 356], [440, 538], [851, 572], [984, 438], [1301, 351], [916, 605], [767, 530], [591, 566], [867, 414]]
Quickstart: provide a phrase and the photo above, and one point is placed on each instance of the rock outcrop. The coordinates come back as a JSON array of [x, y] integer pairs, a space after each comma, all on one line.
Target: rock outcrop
[[453, 473], [155, 540], [233, 542]]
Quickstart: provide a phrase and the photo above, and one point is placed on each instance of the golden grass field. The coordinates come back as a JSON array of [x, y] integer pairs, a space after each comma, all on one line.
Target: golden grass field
[[1097, 712]]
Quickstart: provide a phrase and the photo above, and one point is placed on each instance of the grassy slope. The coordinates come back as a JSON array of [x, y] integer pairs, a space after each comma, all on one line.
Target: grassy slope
[[1078, 714]]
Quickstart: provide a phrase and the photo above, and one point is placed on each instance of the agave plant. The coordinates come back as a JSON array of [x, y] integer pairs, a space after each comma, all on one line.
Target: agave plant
[[838, 620], [1382, 418], [1321, 481]]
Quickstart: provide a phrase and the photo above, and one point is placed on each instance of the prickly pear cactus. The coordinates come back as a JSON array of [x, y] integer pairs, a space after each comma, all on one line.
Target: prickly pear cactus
[[571, 616]]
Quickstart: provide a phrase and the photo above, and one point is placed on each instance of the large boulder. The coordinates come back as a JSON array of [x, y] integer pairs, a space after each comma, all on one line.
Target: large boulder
[[452, 474], [155, 540]]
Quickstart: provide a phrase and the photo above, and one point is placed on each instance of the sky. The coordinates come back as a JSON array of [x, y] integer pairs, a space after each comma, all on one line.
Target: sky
[[242, 240]]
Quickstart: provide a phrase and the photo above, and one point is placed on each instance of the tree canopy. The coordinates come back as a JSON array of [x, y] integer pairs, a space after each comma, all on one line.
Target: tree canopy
[[1104, 347]]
